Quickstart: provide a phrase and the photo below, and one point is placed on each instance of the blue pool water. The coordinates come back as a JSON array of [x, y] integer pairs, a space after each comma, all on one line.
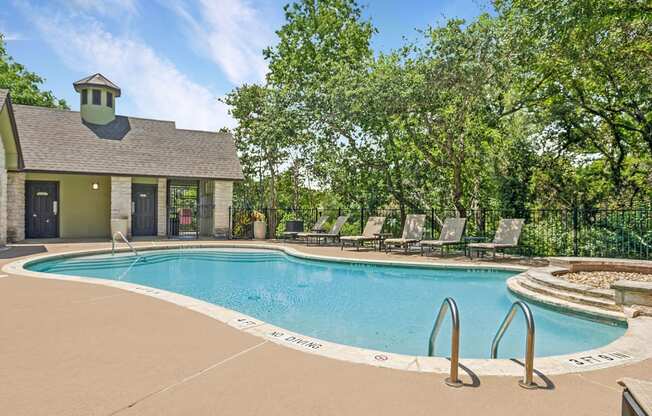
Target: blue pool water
[[380, 307]]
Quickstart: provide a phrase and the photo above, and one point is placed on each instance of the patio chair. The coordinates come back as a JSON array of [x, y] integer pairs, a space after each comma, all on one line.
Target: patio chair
[[451, 234], [318, 227], [334, 233], [412, 233], [371, 232], [507, 236]]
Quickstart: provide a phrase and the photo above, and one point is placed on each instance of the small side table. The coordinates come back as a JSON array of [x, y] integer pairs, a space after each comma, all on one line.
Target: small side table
[[381, 239], [467, 240], [290, 235], [316, 236]]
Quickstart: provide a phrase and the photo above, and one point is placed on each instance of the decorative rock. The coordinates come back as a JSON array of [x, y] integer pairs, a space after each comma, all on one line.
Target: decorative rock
[[603, 279]]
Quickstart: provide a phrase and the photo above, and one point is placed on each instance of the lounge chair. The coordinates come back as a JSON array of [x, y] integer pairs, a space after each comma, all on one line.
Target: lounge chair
[[318, 227], [507, 236], [370, 233], [412, 233], [334, 233], [451, 234]]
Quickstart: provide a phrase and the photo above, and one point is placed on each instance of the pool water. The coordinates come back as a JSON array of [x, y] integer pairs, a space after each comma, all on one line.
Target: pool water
[[386, 308]]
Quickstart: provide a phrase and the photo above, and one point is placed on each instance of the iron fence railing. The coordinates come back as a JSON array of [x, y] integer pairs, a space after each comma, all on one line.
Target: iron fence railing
[[622, 233]]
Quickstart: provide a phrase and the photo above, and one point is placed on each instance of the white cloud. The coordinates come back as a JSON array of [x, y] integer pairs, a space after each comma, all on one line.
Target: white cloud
[[233, 33], [152, 84], [8, 34], [11, 36], [104, 7]]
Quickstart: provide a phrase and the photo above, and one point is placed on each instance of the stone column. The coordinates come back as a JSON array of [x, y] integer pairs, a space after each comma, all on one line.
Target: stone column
[[222, 201], [206, 202], [121, 201], [15, 206], [162, 213], [3, 206]]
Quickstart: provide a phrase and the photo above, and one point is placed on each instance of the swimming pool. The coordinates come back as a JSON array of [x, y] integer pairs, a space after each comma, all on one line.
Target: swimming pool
[[387, 308]]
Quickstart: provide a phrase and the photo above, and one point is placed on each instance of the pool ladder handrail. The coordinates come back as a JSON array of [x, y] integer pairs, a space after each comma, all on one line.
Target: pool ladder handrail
[[448, 305], [119, 233], [527, 382]]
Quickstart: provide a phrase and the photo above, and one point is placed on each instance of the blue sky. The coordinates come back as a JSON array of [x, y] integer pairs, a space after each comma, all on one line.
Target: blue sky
[[174, 58]]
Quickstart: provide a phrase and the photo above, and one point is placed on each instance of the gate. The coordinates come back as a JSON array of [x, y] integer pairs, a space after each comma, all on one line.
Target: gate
[[183, 207]]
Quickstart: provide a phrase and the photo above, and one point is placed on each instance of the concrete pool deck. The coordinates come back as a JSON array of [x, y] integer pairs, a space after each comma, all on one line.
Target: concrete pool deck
[[75, 348]]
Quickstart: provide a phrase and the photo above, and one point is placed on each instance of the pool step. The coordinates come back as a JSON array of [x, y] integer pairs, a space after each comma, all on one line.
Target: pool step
[[569, 296], [544, 278], [515, 285]]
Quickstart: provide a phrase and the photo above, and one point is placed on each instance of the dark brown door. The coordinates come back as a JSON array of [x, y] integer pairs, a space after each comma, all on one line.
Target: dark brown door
[[42, 209], [143, 218]]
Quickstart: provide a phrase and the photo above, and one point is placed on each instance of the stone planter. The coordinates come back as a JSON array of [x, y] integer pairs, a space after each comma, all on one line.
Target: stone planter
[[121, 225], [260, 230]]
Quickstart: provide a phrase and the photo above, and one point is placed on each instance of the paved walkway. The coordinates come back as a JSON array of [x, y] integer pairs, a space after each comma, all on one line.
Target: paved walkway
[[70, 348]]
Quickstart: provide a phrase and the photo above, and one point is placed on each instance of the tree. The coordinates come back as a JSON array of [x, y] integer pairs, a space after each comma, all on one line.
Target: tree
[[24, 85], [455, 102], [594, 63], [542, 105], [267, 132], [322, 52]]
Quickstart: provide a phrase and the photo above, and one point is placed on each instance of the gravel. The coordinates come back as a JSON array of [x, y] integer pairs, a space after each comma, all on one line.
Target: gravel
[[604, 280]]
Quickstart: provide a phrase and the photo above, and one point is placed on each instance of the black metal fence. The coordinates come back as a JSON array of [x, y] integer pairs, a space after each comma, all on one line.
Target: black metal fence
[[621, 233]]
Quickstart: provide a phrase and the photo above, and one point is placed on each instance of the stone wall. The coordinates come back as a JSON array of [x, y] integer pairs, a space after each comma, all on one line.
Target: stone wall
[[15, 206], [161, 201], [222, 199], [121, 200], [631, 293]]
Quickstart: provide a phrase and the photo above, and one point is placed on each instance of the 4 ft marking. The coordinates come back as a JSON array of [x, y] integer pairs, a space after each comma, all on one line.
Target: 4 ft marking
[[243, 323]]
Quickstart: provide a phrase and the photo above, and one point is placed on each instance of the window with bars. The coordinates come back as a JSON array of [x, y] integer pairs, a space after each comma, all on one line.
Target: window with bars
[[97, 97]]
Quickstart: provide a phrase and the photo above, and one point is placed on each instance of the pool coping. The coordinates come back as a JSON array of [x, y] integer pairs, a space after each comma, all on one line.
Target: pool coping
[[630, 348]]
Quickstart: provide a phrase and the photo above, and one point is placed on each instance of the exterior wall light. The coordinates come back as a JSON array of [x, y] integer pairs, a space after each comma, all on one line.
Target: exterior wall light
[[95, 186]]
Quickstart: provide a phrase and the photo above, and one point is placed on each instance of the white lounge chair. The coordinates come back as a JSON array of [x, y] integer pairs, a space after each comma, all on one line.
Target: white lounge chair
[[371, 232], [451, 234], [412, 233], [334, 233], [507, 236], [317, 227]]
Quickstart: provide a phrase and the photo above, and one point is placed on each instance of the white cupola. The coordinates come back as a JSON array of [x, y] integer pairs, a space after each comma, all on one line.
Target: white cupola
[[97, 99]]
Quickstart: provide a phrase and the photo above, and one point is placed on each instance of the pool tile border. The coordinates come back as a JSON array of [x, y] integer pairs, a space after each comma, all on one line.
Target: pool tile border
[[635, 345]]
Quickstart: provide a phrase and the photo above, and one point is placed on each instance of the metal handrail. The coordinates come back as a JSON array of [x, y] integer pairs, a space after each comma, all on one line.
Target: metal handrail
[[529, 342], [448, 305], [119, 233]]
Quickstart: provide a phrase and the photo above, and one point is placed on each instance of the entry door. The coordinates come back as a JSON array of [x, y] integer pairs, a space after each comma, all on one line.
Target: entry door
[[42, 209], [143, 217]]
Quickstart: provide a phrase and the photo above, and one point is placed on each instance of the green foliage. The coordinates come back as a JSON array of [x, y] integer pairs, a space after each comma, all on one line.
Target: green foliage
[[592, 63], [268, 131], [543, 105], [24, 85]]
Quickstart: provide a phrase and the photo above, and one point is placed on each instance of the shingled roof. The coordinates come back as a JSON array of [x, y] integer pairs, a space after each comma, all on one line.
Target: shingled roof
[[97, 80], [57, 140]]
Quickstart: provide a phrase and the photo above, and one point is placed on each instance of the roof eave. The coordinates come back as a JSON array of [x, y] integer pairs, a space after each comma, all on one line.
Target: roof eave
[[146, 175], [79, 87], [14, 129]]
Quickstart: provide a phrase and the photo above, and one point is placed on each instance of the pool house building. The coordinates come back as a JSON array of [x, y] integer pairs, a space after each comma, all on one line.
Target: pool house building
[[89, 173]]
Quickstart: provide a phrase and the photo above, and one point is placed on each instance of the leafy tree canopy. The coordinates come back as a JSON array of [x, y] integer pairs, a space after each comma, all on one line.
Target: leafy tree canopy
[[25, 86], [544, 104]]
